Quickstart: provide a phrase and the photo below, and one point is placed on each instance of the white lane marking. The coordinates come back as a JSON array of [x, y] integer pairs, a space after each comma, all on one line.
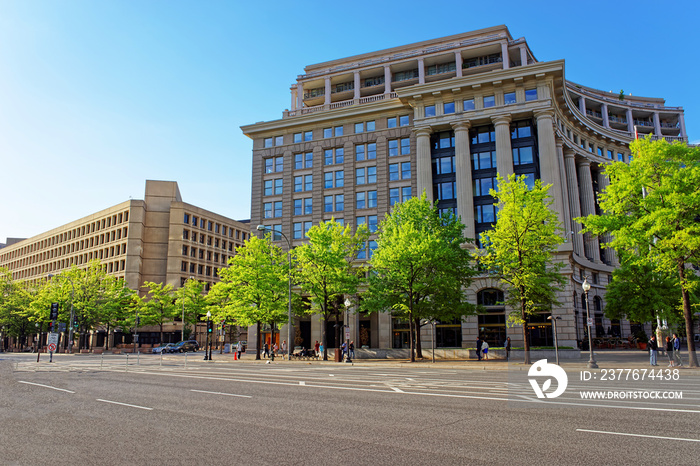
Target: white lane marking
[[47, 386], [125, 404], [302, 383], [221, 393], [639, 435], [331, 375], [397, 390]]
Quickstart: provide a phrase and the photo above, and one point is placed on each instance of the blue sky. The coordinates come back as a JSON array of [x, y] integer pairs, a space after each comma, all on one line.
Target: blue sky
[[96, 96]]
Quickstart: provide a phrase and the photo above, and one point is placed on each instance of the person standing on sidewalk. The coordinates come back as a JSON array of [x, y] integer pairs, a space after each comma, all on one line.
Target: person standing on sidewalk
[[669, 351], [284, 349], [485, 349], [507, 345], [653, 349], [239, 349], [677, 350], [479, 344]]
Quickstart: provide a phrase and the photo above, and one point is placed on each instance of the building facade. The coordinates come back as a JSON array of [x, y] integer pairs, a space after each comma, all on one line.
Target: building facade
[[444, 117], [159, 239]]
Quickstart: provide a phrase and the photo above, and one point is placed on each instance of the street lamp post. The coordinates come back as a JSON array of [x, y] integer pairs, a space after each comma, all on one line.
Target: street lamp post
[[289, 285], [591, 361], [556, 341], [347, 329], [207, 346], [183, 314]]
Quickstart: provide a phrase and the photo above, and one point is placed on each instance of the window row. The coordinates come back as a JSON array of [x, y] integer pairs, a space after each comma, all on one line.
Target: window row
[[488, 101], [210, 240], [203, 254], [199, 269], [214, 227]]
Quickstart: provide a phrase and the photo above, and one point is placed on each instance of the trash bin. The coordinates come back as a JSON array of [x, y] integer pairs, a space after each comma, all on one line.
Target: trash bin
[[338, 355]]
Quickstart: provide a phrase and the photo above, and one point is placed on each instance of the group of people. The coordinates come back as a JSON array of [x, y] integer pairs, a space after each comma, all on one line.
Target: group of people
[[482, 348], [673, 351]]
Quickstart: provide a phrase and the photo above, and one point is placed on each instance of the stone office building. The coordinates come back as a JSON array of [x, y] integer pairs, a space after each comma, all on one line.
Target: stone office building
[[445, 116]]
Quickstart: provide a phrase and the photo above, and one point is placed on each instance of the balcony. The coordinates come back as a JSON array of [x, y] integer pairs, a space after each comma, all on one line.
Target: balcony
[[336, 105]]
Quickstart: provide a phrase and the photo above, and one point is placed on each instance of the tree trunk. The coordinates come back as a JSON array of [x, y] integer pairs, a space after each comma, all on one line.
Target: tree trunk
[[419, 345], [259, 347], [526, 336], [411, 329], [692, 357], [323, 335]]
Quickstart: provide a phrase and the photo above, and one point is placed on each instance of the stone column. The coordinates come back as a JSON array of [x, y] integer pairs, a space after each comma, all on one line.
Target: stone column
[[657, 125], [582, 105], [387, 79], [421, 71], [604, 111], [504, 55], [424, 173], [574, 200], [630, 122], [523, 55], [681, 121], [603, 182], [463, 168], [590, 243], [504, 153], [458, 64], [327, 91], [384, 330], [300, 96], [566, 226], [357, 85], [549, 166]]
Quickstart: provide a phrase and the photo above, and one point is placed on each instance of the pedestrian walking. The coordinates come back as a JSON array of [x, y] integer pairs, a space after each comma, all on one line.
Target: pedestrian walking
[[507, 345], [653, 350], [479, 344], [317, 349], [485, 349], [239, 349], [677, 351], [320, 350], [669, 351], [284, 349], [266, 350], [275, 349], [344, 350], [352, 350]]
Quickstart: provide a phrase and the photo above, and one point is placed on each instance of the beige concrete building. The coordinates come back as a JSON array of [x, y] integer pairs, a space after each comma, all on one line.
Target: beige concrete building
[[445, 116], [159, 239]]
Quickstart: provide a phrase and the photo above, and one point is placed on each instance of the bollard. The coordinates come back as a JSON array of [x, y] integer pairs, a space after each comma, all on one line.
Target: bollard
[[126, 369], [185, 361], [138, 361], [161, 359], [102, 358]]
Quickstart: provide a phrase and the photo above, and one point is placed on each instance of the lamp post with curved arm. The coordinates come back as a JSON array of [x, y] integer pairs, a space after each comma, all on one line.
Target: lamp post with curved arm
[[591, 361], [289, 285]]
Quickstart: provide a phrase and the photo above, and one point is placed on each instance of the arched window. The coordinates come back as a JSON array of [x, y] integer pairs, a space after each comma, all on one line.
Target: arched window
[[490, 297]]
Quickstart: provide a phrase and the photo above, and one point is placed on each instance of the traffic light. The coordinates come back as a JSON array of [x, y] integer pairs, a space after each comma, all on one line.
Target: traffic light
[[210, 326], [54, 311], [75, 324], [50, 327], [138, 320]]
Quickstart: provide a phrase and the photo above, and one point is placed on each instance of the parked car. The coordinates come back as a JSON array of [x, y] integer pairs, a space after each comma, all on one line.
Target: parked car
[[163, 348], [185, 346]]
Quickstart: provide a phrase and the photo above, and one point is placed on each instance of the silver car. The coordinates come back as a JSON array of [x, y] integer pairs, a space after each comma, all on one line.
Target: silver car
[[163, 348]]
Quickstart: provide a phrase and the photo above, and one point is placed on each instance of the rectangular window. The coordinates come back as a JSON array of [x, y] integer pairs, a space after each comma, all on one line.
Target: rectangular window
[[610, 154], [269, 165], [278, 208], [279, 164], [444, 165], [393, 147], [359, 152], [509, 98], [308, 136], [371, 199], [405, 170], [405, 146], [405, 193], [429, 111], [521, 129], [359, 128], [278, 186], [391, 122], [372, 223], [483, 185], [484, 160], [308, 183], [327, 132], [328, 157], [328, 203], [394, 196], [403, 120], [267, 188], [360, 202], [371, 175], [297, 137], [296, 230], [279, 140], [360, 221], [449, 107], [308, 206], [393, 171], [268, 142], [267, 210], [187, 219], [339, 202], [328, 180], [340, 178], [359, 176], [371, 151], [522, 156], [307, 227], [530, 94], [445, 190], [485, 213], [298, 209], [600, 151], [338, 131], [468, 104], [370, 125], [620, 157], [372, 246], [298, 184], [489, 101]]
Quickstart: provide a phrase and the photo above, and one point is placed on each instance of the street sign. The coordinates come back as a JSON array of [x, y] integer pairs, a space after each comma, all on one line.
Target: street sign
[[52, 347], [221, 338], [590, 322], [61, 327], [347, 335], [53, 338]]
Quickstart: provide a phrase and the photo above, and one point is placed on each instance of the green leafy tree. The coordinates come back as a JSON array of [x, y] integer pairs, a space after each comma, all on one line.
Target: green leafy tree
[[520, 248], [118, 306], [15, 300], [191, 299], [421, 267], [157, 307], [652, 208], [253, 289], [326, 268]]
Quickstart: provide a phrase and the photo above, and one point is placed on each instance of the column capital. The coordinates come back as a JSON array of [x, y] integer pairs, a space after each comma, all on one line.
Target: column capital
[[423, 131], [541, 114], [559, 143], [462, 125], [584, 162], [569, 153], [501, 120]]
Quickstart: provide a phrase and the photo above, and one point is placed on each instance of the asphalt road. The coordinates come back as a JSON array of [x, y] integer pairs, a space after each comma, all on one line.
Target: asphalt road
[[92, 410]]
